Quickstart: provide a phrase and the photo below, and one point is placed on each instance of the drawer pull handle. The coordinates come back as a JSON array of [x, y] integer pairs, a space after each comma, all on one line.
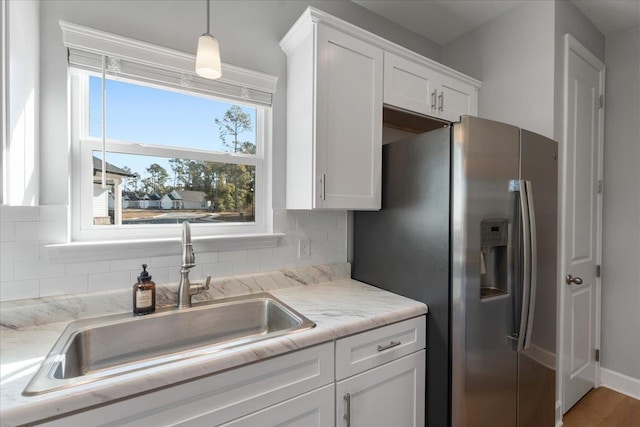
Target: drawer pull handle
[[388, 346], [347, 414]]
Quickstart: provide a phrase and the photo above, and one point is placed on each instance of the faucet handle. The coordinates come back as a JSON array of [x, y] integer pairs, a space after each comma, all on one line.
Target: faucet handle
[[198, 288]]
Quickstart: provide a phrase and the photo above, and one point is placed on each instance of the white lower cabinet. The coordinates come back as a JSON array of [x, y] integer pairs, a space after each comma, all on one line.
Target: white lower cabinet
[[390, 395], [380, 376], [375, 378], [313, 409], [219, 398]]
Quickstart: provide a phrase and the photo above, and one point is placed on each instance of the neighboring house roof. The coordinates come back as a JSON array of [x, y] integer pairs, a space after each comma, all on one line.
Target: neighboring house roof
[[191, 196], [111, 169], [173, 195], [131, 195], [155, 196]]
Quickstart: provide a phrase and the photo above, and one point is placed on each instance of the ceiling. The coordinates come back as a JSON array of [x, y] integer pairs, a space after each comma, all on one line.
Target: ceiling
[[445, 20]]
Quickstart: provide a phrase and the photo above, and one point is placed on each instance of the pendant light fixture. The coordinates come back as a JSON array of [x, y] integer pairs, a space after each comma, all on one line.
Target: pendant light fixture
[[208, 54]]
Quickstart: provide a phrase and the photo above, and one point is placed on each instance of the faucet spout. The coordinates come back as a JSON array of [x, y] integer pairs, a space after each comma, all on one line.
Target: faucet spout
[[187, 289], [188, 257]]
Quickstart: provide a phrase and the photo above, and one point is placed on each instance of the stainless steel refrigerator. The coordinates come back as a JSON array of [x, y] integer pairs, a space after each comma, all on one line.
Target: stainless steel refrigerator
[[468, 226]]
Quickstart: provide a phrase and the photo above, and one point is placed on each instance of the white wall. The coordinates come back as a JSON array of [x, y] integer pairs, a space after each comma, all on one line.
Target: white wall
[[569, 19], [621, 216], [513, 56], [22, 87], [249, 33]]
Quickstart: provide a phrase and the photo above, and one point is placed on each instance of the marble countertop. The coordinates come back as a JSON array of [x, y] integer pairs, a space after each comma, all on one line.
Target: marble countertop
[[338, 305]]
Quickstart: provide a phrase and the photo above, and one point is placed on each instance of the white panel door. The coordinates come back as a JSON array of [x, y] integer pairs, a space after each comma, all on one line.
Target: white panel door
[[584, 80], [348, 121], [389, 395]]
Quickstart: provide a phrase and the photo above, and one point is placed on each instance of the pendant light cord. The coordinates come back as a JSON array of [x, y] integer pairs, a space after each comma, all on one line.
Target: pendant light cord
[[208, 15]]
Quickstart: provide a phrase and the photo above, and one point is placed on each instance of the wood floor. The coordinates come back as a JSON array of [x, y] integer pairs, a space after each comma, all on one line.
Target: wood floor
[[602, 407]]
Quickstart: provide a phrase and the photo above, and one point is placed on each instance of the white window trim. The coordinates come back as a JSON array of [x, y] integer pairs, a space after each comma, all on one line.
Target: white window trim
[[82, 236]]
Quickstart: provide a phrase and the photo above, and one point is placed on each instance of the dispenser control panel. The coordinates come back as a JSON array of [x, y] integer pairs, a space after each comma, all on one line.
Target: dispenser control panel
[[494, 232]]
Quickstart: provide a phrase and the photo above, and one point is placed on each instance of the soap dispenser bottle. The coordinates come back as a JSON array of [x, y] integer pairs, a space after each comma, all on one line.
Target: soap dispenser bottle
[[144, 294]]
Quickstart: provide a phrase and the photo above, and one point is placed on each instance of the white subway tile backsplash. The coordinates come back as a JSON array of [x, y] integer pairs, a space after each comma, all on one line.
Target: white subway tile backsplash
[[335, 234], [53, 231], [19, 213], [246, 267], [165, 261], [206, 257], [6, 272], [108, 281], [19, 251], [160, 275], [76, 268], [7, 231], [257, 254], [221, 269], [19, 289], [55, 213], [27, 272], [27, 231], [232, 256], [272, 264], [38, 269], [341, 221], [129, 264], [63, 285]]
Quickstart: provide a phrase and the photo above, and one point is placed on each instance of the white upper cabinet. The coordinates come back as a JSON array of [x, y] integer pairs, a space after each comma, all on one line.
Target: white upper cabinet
[[409, 85], [334, 118], [428, 88], [338, 77]]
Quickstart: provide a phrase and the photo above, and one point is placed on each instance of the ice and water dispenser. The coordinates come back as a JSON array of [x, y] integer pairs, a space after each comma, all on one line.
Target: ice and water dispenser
[[494, 257]]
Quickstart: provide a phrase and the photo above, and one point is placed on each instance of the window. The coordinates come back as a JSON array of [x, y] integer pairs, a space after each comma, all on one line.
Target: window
[[176, 148]]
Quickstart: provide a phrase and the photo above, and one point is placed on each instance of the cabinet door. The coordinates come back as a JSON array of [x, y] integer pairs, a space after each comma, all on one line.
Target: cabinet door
[[348, 121], [455, 99], [313, 409], [389, 395], [408, 85]]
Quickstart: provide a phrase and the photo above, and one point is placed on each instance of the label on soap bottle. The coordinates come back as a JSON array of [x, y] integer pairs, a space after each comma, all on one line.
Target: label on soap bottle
[[143, 298]]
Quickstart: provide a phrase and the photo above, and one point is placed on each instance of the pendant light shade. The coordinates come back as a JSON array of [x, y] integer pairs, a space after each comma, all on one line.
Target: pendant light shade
[[208, 57], [208, 54]]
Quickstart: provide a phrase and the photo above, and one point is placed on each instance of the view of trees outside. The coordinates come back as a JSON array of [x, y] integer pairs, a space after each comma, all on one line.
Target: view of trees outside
[[196, 190]]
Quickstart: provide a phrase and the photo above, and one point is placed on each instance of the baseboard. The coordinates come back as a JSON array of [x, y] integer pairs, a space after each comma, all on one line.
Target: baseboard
[[558, 413], [621, 383]]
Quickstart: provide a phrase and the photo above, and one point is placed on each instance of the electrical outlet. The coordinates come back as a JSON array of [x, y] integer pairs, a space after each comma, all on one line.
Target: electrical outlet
[[304, 248]]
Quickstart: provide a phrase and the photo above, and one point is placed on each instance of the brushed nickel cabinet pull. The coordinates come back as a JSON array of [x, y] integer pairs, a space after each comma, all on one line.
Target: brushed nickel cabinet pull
[[388, 346], [347, 411]]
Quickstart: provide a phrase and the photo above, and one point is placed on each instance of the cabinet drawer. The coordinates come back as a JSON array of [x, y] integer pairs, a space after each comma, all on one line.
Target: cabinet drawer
[[367, 350]]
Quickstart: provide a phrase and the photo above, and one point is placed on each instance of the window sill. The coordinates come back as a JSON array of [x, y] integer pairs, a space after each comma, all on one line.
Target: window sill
[[120, 249]]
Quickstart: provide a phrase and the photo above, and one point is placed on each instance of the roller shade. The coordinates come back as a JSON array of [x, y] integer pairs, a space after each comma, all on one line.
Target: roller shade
[[144, 62]]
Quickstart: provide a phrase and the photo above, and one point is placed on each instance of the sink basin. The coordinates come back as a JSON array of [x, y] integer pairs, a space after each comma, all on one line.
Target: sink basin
[[93, 349]]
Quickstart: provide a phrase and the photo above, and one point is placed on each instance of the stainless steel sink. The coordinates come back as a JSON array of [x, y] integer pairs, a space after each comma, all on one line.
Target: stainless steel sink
[[93, 349]]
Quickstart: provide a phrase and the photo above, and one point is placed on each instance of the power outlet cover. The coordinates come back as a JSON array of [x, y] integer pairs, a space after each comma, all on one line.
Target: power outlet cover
[[304, 248]]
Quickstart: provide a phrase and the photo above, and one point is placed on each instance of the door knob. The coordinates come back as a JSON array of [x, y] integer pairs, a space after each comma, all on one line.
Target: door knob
[[570, 279]]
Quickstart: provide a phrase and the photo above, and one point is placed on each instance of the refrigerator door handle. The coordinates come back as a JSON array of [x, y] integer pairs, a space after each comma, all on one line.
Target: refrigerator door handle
[[526, 268], [533, 265]]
